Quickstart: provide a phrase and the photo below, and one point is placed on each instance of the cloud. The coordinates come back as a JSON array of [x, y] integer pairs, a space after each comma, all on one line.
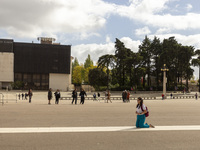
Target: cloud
[[131, 44], [96, 50], [163, 31], [189, 7], [24, 18], [190, 40], [142, 31], [151, 13]]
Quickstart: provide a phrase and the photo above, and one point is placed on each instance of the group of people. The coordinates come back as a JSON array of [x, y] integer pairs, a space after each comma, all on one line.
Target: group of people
[[96, 97], [82, 94], [141, 109], [126, 96], [56, 94], [24, 96]]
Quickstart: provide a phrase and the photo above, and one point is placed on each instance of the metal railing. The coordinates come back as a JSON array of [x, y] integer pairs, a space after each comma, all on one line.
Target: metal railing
[[1, 98], [105, 98], [132, 98]]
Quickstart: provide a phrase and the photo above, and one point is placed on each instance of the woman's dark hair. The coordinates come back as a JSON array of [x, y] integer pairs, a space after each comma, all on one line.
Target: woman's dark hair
[[141, 102]]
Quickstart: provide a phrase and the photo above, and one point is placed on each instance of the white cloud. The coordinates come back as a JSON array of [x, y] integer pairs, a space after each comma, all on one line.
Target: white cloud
[[108, 40], [142, 31], [26, 18], [150, 12], [162, 31], [189, 7], [131, 44], [190, 40], [84, 36], [97, 50]]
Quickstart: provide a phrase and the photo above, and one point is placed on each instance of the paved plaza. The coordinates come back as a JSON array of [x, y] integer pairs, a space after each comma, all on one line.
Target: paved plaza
[[98, 125]]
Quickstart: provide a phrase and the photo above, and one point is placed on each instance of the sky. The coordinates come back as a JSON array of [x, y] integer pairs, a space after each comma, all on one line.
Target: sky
[[92, 26]]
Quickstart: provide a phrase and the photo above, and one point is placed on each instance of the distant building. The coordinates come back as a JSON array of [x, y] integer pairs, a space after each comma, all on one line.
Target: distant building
[[38, 65]]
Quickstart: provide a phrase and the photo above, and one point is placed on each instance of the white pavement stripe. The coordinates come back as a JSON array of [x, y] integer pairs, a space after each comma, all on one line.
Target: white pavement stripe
[[96, 129]]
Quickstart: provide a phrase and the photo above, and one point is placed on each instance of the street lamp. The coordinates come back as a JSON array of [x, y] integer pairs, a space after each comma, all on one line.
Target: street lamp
[[164, 69]]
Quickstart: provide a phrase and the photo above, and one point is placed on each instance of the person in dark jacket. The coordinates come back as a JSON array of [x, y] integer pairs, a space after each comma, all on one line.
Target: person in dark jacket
[[57, 95], [49, 96], [26, 95], [98, 96], [22, 96], [74, 96], [30, 94], [82, 94]]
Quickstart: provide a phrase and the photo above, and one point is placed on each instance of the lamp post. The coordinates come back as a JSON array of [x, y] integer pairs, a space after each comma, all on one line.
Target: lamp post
[[164, 69]]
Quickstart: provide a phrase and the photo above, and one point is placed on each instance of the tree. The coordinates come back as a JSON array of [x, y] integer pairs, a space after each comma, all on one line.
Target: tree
[[86, 74], [196, 62], [169, 56], [78, 75], [146, 52], [184, 58], [75, 63], [134, 67], [106, 61], [97, 77], [88, 62], [156, 47], [121, 54]]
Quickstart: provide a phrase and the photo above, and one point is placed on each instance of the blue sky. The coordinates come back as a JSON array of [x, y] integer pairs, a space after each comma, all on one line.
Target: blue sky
[[91, 26]]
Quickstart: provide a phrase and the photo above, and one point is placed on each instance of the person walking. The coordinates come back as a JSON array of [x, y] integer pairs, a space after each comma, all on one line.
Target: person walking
[[171, 95], [30, 94], [123, 99], [49, 96], [57, 96], [74, 96], [163, 96], [94, 96], [108, 97], [98, 96], [128, 96], [140, 111], [196, 96], [26, 95], [125, 96], [22, 96], [82, 94], [19, 96]]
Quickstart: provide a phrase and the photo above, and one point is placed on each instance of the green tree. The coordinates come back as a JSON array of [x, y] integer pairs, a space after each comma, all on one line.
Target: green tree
[[169, 56], [146, 52], [196, 62], [74, 64], [106, 61], [184, 62], [134, 66], [121, 54], [78, 75], [86, 73], [88, 62], [156, 48], [97, 77]]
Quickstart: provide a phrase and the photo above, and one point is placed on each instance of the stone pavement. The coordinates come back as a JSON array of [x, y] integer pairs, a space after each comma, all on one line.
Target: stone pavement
[[108, 117]]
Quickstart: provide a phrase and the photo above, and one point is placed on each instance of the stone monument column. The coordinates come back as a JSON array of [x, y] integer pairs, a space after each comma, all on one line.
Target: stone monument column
[[164, 69]]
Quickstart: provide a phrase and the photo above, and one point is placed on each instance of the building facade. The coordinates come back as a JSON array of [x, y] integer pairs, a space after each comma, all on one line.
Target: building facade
[[38, 66]]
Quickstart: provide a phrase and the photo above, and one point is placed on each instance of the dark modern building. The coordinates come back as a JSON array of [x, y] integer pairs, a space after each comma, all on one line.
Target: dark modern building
[[37, 65]]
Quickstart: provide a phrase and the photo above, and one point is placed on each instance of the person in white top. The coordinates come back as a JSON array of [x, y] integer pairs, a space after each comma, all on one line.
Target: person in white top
[[141, 115]]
